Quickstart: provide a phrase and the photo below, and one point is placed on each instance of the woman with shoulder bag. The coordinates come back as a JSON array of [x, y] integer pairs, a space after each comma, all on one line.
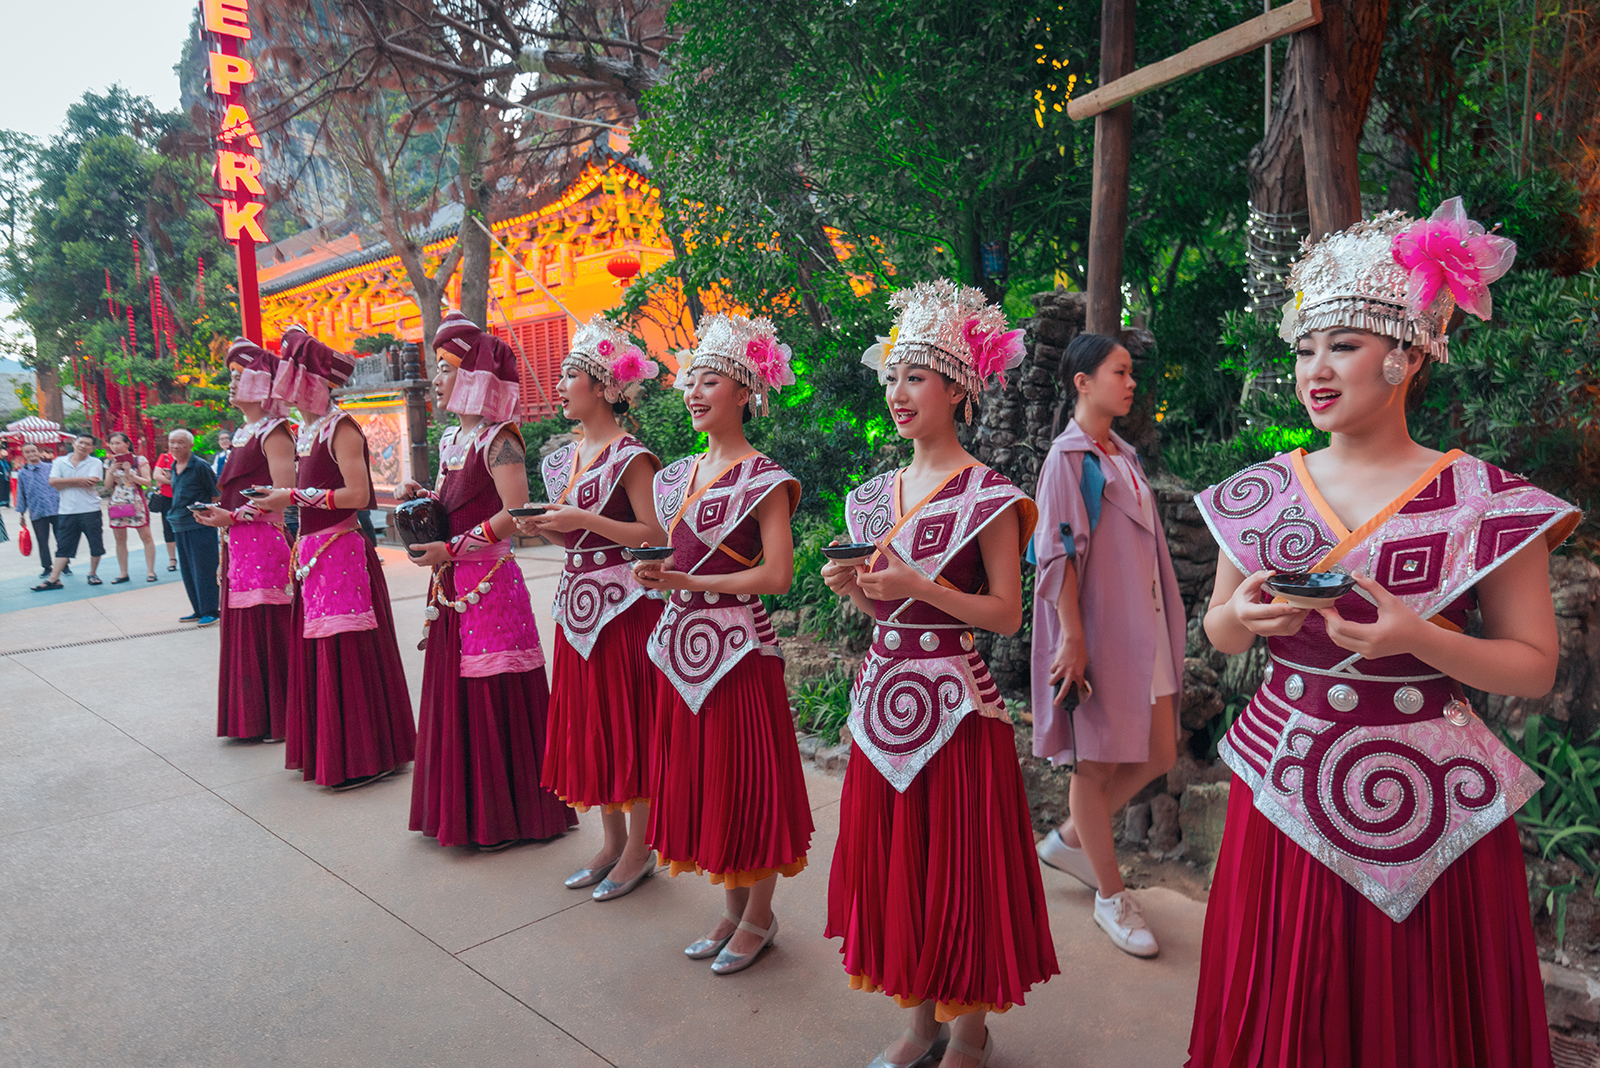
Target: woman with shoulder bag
[[127, 475], [1107, 612]]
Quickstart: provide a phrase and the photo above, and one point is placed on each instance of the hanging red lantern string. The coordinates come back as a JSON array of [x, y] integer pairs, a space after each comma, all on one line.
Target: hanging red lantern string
[[133, 339], [111, 307], [148, 423], [155, 314], [136, 278], [171, 326], [200, 280]]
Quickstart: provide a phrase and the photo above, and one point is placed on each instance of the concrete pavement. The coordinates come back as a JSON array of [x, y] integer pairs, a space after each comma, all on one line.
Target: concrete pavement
[[176, 899]]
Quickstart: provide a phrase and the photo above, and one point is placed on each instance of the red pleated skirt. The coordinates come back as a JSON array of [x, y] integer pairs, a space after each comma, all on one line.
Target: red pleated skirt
[[253, 679], [603, 713], [1298, 969], [730, 793], [349, 712], [936, 891], [478, 748]]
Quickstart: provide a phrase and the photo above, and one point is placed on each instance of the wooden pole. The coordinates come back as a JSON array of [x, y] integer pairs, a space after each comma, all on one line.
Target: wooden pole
[[1113, 137], [1327, 124]]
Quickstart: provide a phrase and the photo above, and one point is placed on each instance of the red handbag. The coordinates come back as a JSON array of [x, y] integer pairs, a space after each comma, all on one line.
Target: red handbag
[[24, 540]]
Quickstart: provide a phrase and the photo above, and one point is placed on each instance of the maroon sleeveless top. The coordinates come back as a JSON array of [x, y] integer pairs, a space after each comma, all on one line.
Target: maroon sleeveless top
[[247, 466], [469, 494], [319, 470]]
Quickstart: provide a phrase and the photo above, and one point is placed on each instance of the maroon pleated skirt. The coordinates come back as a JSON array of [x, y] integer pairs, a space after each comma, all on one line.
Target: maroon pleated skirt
[[349, 711], [602, 715], [253, 676], [1298, 969], [479, 742], [730, 793], [936, 891]]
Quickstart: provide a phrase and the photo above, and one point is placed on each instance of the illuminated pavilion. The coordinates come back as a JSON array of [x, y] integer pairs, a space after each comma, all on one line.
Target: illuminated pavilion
[[583, 246]]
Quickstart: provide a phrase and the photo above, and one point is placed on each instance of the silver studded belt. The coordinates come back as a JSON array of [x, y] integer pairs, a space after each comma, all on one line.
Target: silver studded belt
[[929, 640], [1366, 699]]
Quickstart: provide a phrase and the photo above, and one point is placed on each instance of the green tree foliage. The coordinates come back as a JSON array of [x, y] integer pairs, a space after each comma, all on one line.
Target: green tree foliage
[[109, 179], [814, 156]]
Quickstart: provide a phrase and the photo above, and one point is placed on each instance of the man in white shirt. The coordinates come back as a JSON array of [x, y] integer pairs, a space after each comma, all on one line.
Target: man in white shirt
[[224, 446], [77, 478]]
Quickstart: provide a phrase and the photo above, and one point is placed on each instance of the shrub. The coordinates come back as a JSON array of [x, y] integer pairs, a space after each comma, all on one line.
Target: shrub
[[821, 705]]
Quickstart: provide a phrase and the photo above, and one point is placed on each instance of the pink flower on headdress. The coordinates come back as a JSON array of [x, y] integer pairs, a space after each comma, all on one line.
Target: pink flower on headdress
[[993, 352], [771, 361], [1451, 250], [631, 366], [605, 348]]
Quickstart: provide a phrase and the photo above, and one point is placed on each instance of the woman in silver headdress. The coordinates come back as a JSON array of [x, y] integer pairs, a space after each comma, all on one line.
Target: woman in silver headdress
[[730, 793], [603, 687], [934, 888], [1370, 905]]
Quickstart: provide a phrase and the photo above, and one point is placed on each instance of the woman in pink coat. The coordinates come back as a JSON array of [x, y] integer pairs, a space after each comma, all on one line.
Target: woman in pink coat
[[1107, 622]]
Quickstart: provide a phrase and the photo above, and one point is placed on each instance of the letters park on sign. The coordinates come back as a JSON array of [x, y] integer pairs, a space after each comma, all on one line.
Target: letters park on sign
[[238, 168]]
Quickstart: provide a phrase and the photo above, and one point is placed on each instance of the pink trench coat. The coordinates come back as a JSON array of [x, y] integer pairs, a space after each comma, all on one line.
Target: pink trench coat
[[1114, 564]]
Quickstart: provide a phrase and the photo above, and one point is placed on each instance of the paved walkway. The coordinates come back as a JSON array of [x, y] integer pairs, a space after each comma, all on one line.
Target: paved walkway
[[174, 899]]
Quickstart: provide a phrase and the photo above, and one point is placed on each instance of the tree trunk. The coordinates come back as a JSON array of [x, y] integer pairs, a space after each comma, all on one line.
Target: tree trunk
[[1277, 165], [47, 382], [1338, 63], [473, 242], [1113, 140]]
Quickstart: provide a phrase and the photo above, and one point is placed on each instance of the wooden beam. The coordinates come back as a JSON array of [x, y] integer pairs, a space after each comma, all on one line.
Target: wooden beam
[[1230, 43], [1113, 142]]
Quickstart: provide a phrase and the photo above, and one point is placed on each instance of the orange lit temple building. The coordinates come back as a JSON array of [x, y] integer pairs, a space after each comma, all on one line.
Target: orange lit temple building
[[583, 246]]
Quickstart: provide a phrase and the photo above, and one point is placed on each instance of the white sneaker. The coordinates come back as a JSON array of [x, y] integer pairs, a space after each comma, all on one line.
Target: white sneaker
[[1075, 862], [1121, 917]]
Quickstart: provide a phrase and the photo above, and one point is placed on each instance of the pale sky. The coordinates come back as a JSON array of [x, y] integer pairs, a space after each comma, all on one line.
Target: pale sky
[[55, 50]]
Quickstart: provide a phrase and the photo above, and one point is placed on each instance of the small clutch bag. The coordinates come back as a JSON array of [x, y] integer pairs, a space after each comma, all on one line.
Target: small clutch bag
[[421, 520]]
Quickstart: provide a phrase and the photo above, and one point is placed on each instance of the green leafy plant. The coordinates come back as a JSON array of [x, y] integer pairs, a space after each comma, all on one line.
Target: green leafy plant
[[1564, 816], [821, 705], [818, 610]]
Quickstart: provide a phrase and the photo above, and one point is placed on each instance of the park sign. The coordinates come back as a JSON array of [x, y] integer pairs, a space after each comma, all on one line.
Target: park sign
[[238, 168]]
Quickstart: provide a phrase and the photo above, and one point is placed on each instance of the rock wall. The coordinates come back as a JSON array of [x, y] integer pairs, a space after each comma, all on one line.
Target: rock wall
[[1575, 698]]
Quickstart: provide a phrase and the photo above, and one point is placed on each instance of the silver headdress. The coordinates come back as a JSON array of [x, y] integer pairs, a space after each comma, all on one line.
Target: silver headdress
[[747, 351], [602, 351], [1395, 276], [953, 330]]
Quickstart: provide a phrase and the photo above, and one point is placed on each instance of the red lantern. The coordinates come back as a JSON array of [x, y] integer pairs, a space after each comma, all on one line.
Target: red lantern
[[624, 265]]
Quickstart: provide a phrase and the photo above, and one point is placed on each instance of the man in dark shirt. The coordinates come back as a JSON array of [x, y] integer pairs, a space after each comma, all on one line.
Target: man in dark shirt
[[193, 482]]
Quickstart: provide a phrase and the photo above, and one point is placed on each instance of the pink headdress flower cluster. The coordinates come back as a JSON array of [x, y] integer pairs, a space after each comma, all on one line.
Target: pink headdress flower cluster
[[631, 365], [601, 350], [994, 352], [771, 360], [1451, 251]]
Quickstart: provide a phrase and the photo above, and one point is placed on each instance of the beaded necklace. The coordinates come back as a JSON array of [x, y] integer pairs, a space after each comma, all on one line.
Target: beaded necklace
[[294, 554], [437, 599]]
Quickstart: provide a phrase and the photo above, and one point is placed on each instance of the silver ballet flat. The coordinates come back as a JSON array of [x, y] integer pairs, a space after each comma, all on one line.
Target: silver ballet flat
[[609, 890], [589, 876], [701, 948], [729, 963], [932, 1050]]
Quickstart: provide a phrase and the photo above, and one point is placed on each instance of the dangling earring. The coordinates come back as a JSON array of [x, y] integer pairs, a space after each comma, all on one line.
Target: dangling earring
[[1394, 367], [969, 409]]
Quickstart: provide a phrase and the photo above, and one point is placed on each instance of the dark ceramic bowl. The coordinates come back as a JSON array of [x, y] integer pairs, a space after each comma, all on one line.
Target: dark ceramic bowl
[[651, 552], [421, 520], [1311, 589], [854, 550]]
